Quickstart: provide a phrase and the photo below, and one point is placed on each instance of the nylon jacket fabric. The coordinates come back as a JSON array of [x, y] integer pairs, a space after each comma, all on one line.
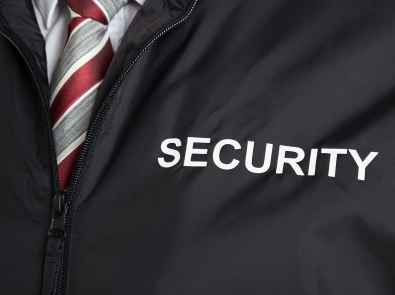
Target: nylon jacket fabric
[[305, 74]]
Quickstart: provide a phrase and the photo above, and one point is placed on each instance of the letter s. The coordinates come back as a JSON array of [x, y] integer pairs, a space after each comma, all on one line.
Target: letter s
[[171, 152]]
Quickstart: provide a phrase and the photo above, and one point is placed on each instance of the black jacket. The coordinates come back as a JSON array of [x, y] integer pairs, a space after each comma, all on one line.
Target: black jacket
[[308, 86]]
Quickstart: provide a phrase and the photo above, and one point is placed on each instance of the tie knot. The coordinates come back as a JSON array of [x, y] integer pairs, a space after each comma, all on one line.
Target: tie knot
[[100, 10]]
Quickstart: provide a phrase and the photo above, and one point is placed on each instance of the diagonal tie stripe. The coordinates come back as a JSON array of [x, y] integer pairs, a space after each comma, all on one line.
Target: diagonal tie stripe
[[88, 9], [65, 167], [76, 105], [85, 39], [110, 8], [91, 72], [65, 131], [78, 76]]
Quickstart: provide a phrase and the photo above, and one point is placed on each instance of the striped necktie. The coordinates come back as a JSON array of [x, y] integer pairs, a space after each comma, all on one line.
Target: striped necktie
[[79, 73]]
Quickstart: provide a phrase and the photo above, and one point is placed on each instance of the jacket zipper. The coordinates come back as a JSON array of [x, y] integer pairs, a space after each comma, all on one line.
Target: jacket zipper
[[59, 203], [54, 169], [91, 135], [63, 202]]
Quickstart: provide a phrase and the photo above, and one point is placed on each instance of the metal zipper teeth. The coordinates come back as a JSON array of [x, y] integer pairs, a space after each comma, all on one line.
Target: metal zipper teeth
[[61, 284], [54, 168]]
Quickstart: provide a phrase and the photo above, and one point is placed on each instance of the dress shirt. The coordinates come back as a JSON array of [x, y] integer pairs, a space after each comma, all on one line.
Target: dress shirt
[[53, 18]]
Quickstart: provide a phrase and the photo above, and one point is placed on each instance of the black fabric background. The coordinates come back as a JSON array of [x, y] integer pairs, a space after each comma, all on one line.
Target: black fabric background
[[25, 177], [310, 74]]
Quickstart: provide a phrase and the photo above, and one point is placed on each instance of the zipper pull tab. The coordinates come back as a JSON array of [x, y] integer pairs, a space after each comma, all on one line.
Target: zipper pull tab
[[60, 205]]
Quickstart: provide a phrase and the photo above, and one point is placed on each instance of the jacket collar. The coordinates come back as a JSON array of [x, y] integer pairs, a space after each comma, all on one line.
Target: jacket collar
[[18, 21], [50, 9]]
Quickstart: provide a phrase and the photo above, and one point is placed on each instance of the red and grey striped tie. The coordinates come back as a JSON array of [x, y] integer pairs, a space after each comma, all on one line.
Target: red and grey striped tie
[[78, 76]]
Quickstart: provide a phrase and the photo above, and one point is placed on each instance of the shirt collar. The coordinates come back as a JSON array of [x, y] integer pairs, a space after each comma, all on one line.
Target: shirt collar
[[48, 8]]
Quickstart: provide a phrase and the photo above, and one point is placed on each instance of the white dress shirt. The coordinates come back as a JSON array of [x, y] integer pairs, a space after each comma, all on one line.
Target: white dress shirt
[[53, 18]]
